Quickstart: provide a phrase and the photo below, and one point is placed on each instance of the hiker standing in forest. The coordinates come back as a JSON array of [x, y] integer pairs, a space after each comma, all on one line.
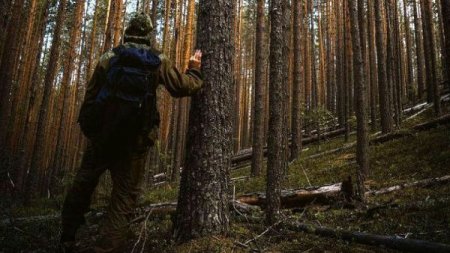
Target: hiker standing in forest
[[120, 118]]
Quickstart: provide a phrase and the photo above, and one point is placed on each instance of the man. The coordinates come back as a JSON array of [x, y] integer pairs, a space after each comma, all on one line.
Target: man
[[126, 162]]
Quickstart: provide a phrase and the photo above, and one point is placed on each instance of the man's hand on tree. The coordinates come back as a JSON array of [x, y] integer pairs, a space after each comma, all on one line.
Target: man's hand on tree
[[196, 60]]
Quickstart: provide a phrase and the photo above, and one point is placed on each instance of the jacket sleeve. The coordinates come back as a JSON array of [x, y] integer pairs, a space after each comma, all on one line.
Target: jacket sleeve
[[177, 83]]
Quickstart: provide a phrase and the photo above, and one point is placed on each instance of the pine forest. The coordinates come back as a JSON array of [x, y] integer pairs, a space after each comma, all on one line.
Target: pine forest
[[225, 125]]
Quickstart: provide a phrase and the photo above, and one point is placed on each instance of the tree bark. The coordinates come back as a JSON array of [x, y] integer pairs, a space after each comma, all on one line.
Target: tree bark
[[203, 199], [37, 160], [362, 146], [383, 87], [276, 159], [296, 96], [258, 118], [430, 57]]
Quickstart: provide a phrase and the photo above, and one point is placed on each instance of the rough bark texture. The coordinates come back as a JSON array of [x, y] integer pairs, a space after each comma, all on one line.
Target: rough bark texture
[[258, 123], [383, 88], [276, 96], [362, 146], [296, 101], [203, 202]]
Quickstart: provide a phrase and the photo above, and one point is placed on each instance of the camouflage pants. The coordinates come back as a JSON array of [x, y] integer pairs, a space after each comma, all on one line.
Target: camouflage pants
[[127, 173]]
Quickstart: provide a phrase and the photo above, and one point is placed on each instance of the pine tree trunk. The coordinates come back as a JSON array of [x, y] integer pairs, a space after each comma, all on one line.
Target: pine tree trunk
[[360, 94], [420, 62], [409, 76], [64, 97], [275, 163], [8, 61], [203, 200], [258, 119], [296, 146], [445, 5], [373, 66], [430, 56], [37, 160], [383, 86], [110, 17]]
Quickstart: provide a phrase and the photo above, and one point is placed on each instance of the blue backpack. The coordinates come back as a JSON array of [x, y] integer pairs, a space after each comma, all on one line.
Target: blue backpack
[[125, 106]]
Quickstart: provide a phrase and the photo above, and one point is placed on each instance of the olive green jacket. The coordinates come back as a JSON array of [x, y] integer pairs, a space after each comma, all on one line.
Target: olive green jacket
[[177, 83]]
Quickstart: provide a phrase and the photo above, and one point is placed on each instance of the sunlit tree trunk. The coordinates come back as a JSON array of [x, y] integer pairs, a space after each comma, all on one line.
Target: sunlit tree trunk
[[37, 160]]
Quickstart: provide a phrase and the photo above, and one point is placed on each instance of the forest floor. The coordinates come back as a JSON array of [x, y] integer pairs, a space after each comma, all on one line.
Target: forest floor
[[417, 212]]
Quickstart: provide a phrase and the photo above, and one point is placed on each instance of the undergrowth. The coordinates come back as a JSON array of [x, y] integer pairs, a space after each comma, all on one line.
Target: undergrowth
[[420, 213]]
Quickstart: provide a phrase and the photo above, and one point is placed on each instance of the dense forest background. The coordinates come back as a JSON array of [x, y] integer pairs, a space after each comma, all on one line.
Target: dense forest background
[[301, 72]]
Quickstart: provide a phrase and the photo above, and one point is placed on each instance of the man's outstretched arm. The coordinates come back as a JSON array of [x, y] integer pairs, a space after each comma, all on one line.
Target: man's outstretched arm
[[182, 84]]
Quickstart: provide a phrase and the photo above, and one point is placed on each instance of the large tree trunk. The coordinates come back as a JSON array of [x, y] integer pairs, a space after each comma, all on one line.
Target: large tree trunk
[[362, 146], [258, 118], [203, 199], [276, 158]]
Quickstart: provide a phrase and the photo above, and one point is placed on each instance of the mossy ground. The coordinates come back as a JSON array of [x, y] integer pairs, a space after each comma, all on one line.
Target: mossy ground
[[419, 213]]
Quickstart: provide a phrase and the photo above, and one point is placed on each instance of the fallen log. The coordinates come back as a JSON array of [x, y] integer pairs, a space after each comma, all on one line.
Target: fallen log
[[333, 151], [433, 123], [299, 197], [245, 155], [421, 183], [388, 137], [330, 193], [392, 242]]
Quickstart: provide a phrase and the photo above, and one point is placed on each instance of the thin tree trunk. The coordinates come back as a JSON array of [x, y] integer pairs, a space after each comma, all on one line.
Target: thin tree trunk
[[258, 123], [445, 5], [37, 160], [276, 158], [64, 97], [383, 86], [296, 96]]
